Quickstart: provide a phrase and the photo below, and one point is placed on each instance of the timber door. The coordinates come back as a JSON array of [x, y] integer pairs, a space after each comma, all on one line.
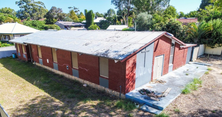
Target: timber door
[[158, 67], [189, 52]]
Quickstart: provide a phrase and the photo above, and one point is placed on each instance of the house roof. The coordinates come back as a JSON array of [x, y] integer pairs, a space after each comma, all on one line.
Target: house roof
[[115, 45], [65, 23], [188, 20], [96, 20], [16, 28], [116, 27]]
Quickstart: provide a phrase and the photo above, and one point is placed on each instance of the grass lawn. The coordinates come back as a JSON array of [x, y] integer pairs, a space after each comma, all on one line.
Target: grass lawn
[[29, 90]]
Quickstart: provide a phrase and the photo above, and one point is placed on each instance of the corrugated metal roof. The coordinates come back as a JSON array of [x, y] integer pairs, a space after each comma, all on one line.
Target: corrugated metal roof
[[110, 44], [66, 23], [16, 28]]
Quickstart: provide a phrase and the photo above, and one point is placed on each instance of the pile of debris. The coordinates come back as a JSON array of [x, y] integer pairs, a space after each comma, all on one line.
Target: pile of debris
[[154, 95]]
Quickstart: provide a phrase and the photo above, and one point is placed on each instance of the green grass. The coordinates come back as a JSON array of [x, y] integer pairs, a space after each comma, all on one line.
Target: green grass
[[177, 110], [207, 72], [193, 86], [209, 69], [125, 104], [5, 44], [162, 115]]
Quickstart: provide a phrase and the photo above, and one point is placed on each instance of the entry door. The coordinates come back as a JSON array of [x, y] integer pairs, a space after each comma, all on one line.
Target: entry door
[[144, 60], [158, 67]]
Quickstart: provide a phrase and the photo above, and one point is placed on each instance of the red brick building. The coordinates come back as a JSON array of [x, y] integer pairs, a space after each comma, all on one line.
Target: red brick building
[[118, 60]]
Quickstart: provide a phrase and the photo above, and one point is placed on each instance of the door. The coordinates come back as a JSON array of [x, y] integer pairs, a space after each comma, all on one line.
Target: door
[[158, 67], [189, 52], [144, 60]]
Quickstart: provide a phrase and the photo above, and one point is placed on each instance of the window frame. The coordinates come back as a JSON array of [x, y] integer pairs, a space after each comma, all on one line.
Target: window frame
[[104, 68]]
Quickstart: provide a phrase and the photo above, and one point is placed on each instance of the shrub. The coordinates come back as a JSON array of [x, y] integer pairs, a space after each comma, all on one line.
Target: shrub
[[52, 26], [125, 104], [127, 29], [93, 27], [5, 44]]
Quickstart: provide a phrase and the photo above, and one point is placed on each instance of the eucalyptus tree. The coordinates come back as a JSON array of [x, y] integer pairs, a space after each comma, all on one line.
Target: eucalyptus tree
[[32, 9]]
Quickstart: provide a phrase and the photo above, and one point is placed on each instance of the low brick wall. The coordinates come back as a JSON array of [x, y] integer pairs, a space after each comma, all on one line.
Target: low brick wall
[[83, 81]]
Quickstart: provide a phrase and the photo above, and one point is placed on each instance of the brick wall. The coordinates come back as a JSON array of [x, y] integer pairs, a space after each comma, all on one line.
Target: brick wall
[[35, 53], [89, 68], [117, 75], [64, 60], [47, 54], [130, 74], [180, 56], [162, 46], [21, 53]]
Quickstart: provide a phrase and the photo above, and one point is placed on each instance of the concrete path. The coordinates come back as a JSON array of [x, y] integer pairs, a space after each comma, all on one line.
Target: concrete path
[[7, 51], [176, 80]]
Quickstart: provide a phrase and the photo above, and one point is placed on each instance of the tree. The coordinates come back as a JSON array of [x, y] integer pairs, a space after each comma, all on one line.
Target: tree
[[170, 12], [174, 27], [124, 7], [93, 27], [89, 18], [75, 9], [54, 14], [130, 22], [73, 16], [99, 14], [205, 3], [143, 21], [150, 6], [181, 14], [7, 10], [111, 13], [104, 24], [30, 8]]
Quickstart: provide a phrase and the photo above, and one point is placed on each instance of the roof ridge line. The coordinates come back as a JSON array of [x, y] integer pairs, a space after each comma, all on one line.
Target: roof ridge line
[[13, 27]]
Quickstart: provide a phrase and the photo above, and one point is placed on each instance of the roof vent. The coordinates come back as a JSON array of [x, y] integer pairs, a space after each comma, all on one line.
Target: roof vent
[[170, 34]]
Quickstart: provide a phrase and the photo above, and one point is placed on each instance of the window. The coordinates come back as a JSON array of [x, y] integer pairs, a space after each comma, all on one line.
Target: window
[[18, 48], [23, 49], [104, 67], [74, 60], [54, 55], [39, 52], [172, 52]]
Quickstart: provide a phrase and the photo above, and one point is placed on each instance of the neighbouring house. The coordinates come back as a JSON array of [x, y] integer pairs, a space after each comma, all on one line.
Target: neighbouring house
[[96, 20], [118, 60], [70, 25], [116, 27], [186, 21], [10, 31]]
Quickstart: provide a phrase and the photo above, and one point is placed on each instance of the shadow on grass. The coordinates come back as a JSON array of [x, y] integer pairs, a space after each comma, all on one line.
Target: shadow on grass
[[67, 97]]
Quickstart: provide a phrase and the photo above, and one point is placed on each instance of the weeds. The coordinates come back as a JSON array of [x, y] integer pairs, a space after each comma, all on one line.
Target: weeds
[[162, 115], [177, 110], [209, 69], [187, 74], [192, 86], [125, 104], [207, 72]]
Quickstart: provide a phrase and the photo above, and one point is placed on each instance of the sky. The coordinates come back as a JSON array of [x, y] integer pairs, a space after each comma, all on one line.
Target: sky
[[100, 6]]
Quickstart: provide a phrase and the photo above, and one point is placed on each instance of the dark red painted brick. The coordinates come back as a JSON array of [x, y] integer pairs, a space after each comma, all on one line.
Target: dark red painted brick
[[64, 60]]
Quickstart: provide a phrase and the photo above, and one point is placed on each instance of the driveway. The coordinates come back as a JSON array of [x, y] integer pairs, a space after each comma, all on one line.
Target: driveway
[[7, 51], [176, 80]]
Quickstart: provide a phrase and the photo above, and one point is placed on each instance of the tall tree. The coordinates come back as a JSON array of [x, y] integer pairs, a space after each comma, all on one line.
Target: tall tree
[[205, 3], [150, 6], [7, 10], [30, 8], [143, 21], [75, 9], [124, 7], [54, 14], [73, 16], [89, 18], [170, 12], [181, 14], [111, 12]]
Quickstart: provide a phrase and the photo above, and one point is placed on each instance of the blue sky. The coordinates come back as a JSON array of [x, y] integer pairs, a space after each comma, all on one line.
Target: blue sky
[[100, 5]]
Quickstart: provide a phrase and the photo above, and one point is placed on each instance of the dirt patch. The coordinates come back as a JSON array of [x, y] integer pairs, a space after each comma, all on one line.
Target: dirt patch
[[207, 100]]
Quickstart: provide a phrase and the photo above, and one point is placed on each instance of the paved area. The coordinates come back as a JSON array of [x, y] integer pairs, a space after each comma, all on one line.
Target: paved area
[[7, 51], [176, 80]]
